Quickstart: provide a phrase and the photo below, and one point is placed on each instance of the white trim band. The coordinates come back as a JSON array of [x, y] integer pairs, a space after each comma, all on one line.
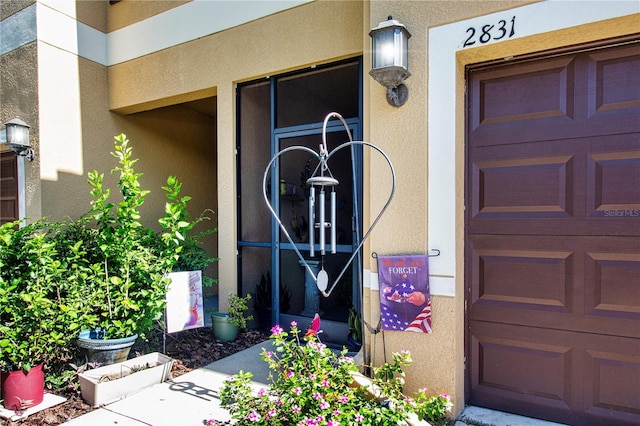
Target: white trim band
[[190, 21]]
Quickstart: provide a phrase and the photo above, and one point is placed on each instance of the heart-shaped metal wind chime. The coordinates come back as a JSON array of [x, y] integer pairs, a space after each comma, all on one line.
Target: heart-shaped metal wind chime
[[319, 182]]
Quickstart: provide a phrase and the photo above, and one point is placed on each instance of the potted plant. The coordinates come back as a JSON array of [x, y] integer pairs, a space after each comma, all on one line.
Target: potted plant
[[354, 339], [109, 383], [38, 313], [226, 325], [262, 303], [104, 274], [124, 297]]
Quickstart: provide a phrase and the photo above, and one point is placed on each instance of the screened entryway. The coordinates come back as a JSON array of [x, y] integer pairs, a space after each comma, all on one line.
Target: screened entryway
[[274, 114]]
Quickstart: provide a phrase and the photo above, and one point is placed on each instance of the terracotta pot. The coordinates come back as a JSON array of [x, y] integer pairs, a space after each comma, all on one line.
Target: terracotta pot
[[21, 389]]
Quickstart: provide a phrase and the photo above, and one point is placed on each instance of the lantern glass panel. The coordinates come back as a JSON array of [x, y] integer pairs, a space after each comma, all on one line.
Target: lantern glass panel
[[401, 43], [17, 135], [383, 49]]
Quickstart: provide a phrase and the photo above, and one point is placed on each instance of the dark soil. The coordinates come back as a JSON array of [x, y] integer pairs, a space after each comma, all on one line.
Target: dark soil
[[190, 349]]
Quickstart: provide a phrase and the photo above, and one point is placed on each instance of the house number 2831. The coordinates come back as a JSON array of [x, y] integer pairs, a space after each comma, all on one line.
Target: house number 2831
[[489, 32]]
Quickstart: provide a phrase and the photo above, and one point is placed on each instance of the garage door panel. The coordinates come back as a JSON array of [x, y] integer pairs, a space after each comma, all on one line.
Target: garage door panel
[[583, 284], [613, 185], [608, 376], [535, 318], [528, 370], [613, 78], [581, 96], [544, 279], [613, 288], [502, 353], [539, 187], [508, 100], [594, 181], [509, 96], [552, 254]]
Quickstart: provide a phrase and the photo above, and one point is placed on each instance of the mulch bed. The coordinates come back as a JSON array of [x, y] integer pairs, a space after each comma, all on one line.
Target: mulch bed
[[191, 349]]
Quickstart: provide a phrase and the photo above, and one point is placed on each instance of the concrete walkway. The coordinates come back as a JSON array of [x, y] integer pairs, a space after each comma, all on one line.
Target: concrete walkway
[[186, 400], [192, 398]]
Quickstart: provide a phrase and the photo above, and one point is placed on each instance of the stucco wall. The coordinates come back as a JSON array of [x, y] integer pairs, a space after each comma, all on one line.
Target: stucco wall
[[318, 32], [126, 12], [19, 98], [8, 8], [64, 98]]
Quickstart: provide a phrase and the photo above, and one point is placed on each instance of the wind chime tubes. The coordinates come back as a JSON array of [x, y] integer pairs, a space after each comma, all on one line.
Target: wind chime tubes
[[322, 224]]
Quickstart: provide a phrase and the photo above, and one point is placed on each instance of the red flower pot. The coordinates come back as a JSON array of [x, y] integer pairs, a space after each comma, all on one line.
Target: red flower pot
[[21, 390]]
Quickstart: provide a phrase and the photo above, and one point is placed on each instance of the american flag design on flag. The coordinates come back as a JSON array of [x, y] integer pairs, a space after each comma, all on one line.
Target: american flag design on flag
[[422, 323], [405, 300]]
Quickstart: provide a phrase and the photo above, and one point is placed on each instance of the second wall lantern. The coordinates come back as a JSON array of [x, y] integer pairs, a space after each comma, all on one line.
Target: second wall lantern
[[16, 137], [389, 58]]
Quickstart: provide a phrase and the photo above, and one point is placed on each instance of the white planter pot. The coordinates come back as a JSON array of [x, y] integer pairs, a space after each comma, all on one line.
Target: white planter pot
[[110, 383]]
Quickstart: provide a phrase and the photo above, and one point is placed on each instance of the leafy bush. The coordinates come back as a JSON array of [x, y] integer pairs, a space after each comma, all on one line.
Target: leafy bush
[[39, 307], [193, 256], [105, 270], [237, 308], [314, 385], [126, 294]]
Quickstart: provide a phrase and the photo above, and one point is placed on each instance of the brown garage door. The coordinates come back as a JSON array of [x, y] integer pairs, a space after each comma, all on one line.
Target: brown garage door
[[8, 187], [553, 236]]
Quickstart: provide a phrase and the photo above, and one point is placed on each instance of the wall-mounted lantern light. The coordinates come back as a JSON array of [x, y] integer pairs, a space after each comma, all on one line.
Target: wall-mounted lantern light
[[389, 57], [16, 137]]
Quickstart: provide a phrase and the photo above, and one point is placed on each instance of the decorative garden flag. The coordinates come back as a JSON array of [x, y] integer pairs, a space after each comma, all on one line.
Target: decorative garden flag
[[184, 301], [405, 300]]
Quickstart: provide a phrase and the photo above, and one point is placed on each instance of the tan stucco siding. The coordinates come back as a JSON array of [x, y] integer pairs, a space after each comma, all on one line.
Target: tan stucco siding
[[79, 138], [318, 32], [315, 33], [19, 98], [93, 13], [127, 12]]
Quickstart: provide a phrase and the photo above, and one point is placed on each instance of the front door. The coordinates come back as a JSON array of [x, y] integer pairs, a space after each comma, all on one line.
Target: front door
[[293, 206], [9, 205], [553, 236]]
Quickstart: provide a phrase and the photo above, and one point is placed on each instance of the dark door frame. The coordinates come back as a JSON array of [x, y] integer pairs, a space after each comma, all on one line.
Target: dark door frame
[[355, 126]]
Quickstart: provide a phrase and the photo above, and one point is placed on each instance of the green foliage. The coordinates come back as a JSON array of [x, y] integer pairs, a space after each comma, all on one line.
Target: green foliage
[[433, 408], [237, 308], [126, 295], [311, 384], [355, 325], [38, 306], [193, 256], [263, 294], [105, 270]]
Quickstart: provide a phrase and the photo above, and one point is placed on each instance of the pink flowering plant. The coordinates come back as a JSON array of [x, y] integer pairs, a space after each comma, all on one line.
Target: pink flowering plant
[[310, 384]]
